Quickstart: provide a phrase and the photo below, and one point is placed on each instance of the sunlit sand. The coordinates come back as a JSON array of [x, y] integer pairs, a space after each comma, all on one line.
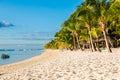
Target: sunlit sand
[[66, 65]]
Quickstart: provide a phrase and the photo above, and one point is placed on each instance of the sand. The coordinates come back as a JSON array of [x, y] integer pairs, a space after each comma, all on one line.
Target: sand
[[66, 65], [45, 56]]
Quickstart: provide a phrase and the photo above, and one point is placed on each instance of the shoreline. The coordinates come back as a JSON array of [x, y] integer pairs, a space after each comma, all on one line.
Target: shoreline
[[45, 56]]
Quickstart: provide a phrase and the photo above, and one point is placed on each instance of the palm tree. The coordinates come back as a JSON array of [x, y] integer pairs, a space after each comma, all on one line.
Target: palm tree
[[86, 17], [93, 18], [63, 38], [103, 12], [71, 26], [96, 34], [114, 21]]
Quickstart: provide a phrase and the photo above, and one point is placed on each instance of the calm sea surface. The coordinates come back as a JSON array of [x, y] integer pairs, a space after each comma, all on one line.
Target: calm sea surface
[[22, 46]]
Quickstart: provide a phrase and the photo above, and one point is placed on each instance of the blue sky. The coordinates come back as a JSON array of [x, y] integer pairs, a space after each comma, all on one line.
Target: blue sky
[[35, 15]]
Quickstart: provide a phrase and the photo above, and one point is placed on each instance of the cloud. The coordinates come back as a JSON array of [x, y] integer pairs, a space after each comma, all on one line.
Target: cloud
[[5, 24]]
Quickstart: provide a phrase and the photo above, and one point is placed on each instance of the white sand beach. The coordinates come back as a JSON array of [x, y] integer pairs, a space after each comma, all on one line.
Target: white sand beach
[[66, 65]]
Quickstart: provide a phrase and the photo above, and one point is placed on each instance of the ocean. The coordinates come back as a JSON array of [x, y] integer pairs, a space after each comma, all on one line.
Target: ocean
[[23, 46]]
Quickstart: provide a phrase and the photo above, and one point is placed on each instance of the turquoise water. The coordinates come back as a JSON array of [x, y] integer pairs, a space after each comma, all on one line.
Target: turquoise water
[[19, 52], [22, 46]]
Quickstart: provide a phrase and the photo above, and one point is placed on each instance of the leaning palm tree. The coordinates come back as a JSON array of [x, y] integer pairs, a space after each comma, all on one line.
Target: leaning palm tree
[[96, 35], [114, 21], [71, 26], [103, 9], [86, 17]]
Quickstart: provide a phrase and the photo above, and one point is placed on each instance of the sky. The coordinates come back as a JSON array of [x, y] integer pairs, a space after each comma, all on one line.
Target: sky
[[35, 15], [34, 20]]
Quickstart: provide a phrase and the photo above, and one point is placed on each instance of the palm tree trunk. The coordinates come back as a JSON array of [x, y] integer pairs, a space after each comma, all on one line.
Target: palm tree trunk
[[90, 46], [78, 45], [110, 41], [106, 41], [74, 41], [91, 40], [102, 24], [97, 45]]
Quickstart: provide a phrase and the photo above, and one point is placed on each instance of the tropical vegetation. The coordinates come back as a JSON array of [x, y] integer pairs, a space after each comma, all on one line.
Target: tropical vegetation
[[94, 25]]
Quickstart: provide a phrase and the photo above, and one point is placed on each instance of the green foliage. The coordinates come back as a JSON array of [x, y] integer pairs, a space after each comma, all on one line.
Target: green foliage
[[85, 21]]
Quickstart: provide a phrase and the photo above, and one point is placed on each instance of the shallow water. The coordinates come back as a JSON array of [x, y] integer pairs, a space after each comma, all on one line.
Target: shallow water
[[21, 52], [22, 46]]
